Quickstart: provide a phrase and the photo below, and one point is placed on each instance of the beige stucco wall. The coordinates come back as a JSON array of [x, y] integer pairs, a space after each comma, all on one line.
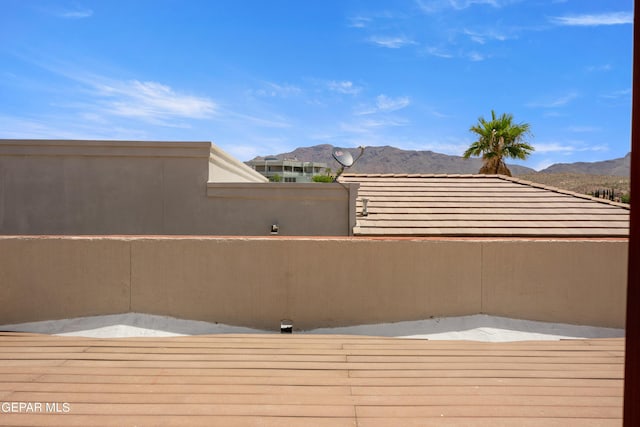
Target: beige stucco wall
[[51, 278], [299, 209], [315, 282], [560, 281], [134, 187]]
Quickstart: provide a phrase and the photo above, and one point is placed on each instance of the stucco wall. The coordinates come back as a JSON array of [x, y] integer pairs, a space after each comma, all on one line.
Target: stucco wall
[[559, 280], [299, 209], [315, 282], [133, 187], [42, 278]]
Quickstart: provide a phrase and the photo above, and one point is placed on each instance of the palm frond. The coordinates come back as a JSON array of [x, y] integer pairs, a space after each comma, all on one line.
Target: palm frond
[[498, 138]]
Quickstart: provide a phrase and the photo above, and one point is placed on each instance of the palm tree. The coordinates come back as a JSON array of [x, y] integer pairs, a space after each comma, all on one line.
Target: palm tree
[[497, 139]]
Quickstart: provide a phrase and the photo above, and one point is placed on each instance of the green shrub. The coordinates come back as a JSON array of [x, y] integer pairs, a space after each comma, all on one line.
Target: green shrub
[[322, 178]]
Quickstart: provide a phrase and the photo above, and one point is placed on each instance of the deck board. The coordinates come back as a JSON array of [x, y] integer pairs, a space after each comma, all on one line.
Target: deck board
[[305, 380]]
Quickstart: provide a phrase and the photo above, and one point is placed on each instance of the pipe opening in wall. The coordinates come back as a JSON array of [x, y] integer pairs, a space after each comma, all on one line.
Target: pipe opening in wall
[[286, 326]]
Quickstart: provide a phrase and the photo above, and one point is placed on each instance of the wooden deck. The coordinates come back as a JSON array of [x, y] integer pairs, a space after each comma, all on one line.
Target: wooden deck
[[309, 380]]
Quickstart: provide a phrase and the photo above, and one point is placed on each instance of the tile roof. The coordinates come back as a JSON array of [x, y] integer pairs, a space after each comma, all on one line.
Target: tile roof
[[480, 205], [308, 380]]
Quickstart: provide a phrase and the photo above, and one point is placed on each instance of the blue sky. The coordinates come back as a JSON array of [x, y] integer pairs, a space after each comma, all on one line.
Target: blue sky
[[264, 77]]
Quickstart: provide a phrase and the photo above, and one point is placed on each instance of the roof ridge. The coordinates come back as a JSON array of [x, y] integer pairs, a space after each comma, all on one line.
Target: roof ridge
[[416, 175], [562, 191], [498, 176]]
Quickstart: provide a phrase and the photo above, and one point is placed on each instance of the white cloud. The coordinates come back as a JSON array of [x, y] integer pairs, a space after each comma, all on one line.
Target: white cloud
[[93, 117], [597, 68], [345, 87], [245, 152], [65, 127], [553, 147], [554, 114], [554, 102], [278, 90], [482, 37], [366, 126], [475, 56], [144, 100], [439, 115], [431, 6], [326, 136], [266, 122], [391, 42], [447, 145], [101, 100], [77, 13], [385, 104], [583, 129], [434, 51], [470, 55], [477, 38], [359, 22], [463, 4], [567, 147], [587, 20], [151, 101], [624, 93]]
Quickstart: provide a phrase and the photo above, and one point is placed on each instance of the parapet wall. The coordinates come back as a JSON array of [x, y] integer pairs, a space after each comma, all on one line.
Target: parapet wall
[[257, 282], [58, 187]]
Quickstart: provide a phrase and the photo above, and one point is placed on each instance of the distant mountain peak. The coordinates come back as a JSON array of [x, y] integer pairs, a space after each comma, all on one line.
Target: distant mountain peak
[[616, 167], [389, 159]]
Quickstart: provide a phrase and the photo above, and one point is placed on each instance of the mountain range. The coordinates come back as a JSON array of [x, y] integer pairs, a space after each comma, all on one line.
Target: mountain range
[[387, 159], [615, 167]]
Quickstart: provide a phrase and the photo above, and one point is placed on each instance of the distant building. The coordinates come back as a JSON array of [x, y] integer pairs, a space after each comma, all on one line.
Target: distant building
[[288, 170]]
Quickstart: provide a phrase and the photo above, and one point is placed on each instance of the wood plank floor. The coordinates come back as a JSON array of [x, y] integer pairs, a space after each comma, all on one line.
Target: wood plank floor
[[308, 380]]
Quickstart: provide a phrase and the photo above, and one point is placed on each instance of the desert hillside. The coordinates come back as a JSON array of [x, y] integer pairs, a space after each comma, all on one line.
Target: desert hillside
[[388, 159], [616, 167], [581, 182], [581, 177]]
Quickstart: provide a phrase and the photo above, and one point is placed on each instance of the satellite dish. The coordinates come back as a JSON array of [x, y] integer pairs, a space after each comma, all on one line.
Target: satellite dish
[[343, 157]]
